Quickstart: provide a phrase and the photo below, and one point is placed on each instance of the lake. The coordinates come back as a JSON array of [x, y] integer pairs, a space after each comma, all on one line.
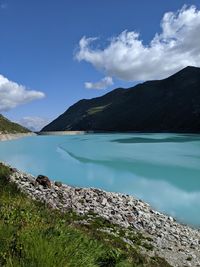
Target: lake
[[161, 169]]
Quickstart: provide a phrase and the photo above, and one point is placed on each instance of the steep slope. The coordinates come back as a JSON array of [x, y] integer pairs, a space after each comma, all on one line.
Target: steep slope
[[171, 105], [7, 126]]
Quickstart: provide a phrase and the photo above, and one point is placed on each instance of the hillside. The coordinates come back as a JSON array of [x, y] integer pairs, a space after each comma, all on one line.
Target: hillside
[[33, 234], [7, 126], [168, 105]]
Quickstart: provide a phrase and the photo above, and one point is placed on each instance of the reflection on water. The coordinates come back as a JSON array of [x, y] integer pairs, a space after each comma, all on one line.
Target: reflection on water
[[162, 169], [171, 139]]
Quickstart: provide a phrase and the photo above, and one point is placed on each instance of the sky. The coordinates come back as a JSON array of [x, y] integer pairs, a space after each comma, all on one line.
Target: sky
[[54, 53]]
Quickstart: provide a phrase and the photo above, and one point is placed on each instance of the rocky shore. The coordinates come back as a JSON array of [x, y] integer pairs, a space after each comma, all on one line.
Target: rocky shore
[[11, 136], [178, 244]]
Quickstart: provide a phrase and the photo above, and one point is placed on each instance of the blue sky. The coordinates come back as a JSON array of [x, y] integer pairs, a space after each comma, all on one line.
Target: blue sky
[[39, 49]]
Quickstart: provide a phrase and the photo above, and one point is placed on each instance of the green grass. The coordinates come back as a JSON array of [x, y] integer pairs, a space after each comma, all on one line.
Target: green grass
[[7, 126], [32, 235], [95, 110]]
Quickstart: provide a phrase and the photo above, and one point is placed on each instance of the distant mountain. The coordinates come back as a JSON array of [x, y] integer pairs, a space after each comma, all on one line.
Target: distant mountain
[[7, 126], [168, 105]]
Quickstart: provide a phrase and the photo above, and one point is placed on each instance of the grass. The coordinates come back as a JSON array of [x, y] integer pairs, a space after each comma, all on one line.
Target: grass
[[7, 126], [95, 110], [32, 235]]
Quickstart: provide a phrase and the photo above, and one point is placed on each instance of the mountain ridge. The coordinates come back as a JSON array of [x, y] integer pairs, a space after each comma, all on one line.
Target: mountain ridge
[[168, 105]]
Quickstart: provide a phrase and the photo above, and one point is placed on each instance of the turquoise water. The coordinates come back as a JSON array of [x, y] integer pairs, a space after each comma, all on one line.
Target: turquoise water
[[162, 169]]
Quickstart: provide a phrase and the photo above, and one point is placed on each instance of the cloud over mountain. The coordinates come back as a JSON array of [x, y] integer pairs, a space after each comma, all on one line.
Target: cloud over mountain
[[13, 94], [127, 58]]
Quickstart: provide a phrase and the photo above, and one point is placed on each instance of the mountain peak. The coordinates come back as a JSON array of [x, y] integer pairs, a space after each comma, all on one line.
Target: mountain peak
[[189, 69], [169, 105]]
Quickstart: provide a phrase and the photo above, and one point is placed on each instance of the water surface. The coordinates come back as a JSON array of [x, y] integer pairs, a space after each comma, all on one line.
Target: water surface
[[162, 169]]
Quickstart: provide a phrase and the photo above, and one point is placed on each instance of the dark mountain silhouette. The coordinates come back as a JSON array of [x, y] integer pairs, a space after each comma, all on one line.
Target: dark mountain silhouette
[[168, 105]]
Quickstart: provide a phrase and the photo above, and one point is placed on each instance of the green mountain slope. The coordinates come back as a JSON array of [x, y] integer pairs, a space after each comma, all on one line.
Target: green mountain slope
[[7, 126], [169, 105]]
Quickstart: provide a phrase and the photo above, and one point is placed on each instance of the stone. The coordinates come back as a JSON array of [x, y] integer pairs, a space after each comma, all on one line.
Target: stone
[[13, 169], [170, 239], [171, 219], [130, 219], [44, 181], [104, 201], [58, 184]]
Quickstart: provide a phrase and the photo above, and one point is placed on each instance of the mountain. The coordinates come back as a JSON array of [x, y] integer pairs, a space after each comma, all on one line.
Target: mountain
[[168, 105], [7, 126]]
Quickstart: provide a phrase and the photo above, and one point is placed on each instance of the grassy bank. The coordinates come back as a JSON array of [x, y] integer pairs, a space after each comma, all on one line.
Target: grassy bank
[[7, 126], [32, 235]]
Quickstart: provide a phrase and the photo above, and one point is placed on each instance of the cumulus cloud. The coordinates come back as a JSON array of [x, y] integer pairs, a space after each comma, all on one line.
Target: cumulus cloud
[[128, 58], [34, 123], [13, 94], [102, 84]]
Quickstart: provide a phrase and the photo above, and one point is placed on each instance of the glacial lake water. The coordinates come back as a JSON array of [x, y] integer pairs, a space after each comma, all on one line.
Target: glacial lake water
[[161, 169]]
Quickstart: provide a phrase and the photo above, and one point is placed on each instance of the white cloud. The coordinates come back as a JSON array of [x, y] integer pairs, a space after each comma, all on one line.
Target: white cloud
[[34, 123], [13, 94], [127, 58], [102, 84]]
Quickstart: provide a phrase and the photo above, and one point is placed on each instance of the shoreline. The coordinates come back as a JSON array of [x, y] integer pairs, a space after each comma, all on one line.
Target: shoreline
[[113, 132], [13, 136], [179, 244], [63, 133]]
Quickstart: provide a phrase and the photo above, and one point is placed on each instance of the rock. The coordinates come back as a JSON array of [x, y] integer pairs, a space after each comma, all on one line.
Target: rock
[[130, 219], [104, 201], [171, 219], [58, 184], [13, 169], [44, 181], [170, 239]]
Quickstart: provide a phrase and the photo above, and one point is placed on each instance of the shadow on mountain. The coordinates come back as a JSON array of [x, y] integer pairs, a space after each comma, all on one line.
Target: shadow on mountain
[[168, 105]]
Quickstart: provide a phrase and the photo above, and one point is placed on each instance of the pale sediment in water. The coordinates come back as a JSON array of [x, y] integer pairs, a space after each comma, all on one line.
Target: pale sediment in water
[[178, 244], [63, 133], [12, 136]]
